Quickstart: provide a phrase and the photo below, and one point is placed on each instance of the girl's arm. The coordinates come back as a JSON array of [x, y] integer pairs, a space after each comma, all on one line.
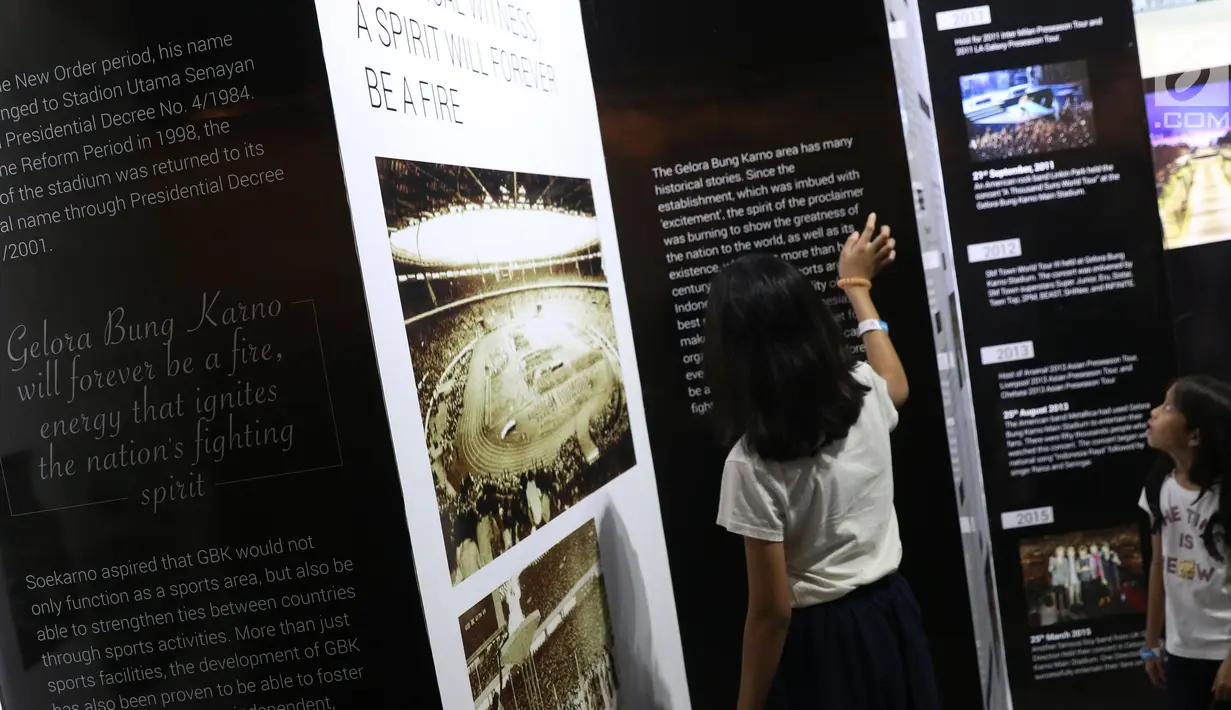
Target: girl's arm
[[863, 256], [882, 356], [1155, 611], [769, 616], [1157, 603]]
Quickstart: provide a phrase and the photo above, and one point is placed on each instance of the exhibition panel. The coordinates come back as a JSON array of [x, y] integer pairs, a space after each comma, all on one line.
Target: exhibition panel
[[202, 505], [728, 132], [927, 181], [1047, 186], [1057, 222], [354, 349], [496, 289]]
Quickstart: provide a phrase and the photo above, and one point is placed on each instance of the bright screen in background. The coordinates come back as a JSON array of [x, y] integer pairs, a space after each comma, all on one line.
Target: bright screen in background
[[1185, 54]]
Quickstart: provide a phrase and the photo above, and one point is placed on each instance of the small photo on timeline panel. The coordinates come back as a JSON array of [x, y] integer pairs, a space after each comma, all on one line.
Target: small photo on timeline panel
[[1078, 576], [513, 345], [543, 638], [1028, 111]]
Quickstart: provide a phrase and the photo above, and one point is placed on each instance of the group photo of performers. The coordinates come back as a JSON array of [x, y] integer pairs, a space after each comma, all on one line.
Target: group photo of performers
[[1083, 575]]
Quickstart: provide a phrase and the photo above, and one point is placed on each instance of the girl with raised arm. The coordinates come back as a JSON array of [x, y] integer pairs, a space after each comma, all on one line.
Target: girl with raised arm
[[808, 484]]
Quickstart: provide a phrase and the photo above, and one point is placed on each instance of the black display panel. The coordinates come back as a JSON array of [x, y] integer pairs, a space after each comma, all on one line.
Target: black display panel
[[726, 132], [1058, 257], [201, 506]]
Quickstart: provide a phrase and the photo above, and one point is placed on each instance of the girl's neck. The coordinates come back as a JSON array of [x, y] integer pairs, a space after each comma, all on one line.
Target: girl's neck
[[1183, 465]]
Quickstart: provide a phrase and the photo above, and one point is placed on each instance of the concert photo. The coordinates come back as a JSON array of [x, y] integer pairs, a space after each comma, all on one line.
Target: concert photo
[[1083, 575], [543, 639], [1028, 111], [1191, 140], [513, 346]]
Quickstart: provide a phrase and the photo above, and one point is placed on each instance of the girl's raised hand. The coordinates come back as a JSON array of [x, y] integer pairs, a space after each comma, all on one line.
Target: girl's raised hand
[[864, 255]]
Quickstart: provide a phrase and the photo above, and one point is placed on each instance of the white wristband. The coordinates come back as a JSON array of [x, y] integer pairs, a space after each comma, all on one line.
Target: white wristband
[[868, 326]]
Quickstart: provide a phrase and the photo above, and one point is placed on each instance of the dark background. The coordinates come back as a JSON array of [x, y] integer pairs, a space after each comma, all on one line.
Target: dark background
[[1116, 217], [290, 241], [689, 81], [1200, 292]]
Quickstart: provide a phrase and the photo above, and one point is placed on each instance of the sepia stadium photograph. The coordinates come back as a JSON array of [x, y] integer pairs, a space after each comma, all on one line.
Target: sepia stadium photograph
[[543, 639], [513, 345]]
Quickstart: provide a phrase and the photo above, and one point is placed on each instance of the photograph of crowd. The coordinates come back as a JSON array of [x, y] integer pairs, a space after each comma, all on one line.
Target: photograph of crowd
[[543, 639], [1192, 158], [1014, 113], [1083, 575], [513, 346]]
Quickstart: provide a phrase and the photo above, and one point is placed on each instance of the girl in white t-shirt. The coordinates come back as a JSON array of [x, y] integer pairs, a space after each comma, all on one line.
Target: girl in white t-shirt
[[1188, 506], [808, 484]]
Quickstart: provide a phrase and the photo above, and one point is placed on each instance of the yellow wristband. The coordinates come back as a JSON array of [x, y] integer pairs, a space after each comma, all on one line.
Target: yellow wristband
[[854, 283]]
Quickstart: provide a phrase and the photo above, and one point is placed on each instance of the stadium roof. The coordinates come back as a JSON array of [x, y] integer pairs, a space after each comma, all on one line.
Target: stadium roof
[[494, 236]]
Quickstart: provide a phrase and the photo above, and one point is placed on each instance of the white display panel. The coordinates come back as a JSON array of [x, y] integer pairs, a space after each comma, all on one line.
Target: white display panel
[[433, 84], [953, 366]]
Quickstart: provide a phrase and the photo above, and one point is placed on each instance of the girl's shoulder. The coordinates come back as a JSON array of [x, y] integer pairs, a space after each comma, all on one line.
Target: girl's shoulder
[[866, 376], [741, 452], [1160, 475], [742, 455], [877, 391]]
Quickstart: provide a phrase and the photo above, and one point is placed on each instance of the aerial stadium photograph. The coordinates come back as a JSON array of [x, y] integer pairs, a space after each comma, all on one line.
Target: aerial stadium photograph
[[513, 346], [1028, 111], [1192, 160], [543, 639]]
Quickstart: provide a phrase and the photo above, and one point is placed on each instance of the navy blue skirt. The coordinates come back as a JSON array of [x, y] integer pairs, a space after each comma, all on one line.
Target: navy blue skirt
[[865, 651]]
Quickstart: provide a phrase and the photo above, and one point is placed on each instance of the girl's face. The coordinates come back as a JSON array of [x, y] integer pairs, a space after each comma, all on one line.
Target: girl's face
[[1083, 550], [1059, 552], [1168, 430]]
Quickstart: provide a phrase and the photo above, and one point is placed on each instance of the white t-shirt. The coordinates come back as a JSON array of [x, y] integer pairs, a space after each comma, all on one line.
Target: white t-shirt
[[1198, 616], [833, 511]]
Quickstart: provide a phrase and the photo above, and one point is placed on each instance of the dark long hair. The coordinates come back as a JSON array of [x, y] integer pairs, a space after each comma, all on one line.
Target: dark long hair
[[1205, 403], [777, 361]]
